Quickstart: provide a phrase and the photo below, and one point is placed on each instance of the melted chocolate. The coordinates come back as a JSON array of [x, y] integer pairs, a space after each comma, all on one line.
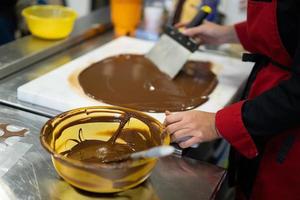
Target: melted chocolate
[[135, 82], [123, 140], [98, 151], [7, 134]]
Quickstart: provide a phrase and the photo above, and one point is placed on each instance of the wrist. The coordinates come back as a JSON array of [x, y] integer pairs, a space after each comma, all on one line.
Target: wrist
[[230, 35], [214, 129], [217, 132]]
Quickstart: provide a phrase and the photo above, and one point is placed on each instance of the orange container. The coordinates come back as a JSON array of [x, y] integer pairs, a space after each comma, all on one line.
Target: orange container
[[126, 15]]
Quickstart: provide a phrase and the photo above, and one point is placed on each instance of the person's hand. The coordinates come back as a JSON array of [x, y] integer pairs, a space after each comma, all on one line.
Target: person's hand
[[210, 33], [191, 127]]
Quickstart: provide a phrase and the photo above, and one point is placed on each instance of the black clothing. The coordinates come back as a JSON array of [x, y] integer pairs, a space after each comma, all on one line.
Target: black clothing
[[278, 109], [8, 21], [7, 8], [275, 110]]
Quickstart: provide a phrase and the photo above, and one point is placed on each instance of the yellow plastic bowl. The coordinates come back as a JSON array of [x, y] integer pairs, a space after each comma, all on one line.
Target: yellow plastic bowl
[[61, 133], [50, 21]]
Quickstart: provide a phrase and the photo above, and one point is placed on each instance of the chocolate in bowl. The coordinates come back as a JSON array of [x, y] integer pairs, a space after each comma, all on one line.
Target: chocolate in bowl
[[133, 81], [74, 138]]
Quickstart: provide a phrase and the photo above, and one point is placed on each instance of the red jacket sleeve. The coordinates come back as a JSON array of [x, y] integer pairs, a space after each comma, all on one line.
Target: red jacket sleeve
[[230, 125], [242, 33]]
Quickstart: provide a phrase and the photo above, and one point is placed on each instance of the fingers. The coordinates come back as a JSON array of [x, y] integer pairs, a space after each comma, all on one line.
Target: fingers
[[166, 113], [190, 142], [172, 118], [192, 32], [198, 40], [180, 135], [180, 25], [173, 127]]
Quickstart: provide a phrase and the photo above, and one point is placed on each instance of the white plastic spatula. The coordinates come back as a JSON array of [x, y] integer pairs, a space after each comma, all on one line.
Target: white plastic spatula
[[155, 152], [173, 49]]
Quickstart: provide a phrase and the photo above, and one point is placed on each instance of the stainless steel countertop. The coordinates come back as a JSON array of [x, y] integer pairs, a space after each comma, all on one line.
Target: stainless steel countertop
[[30, 57], [33, 176], [9, 84], [28, 50]]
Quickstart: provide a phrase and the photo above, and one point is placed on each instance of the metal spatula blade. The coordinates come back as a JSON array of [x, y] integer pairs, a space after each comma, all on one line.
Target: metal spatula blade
[[173, 48], [168, 55]]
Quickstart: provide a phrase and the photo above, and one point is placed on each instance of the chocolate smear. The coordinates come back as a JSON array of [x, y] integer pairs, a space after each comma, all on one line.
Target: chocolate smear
[[7, 133], [133, 81]]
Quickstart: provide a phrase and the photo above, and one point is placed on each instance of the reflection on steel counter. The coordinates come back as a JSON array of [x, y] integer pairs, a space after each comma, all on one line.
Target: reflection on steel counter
[[28, 50], [173, 179]]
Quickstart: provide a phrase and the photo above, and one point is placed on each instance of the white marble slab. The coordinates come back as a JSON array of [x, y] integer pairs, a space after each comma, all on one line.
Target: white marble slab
[[53, 90]]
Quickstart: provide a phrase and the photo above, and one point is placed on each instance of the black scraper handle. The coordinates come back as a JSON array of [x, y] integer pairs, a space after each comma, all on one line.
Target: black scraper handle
[[200, 17], [184, 40]]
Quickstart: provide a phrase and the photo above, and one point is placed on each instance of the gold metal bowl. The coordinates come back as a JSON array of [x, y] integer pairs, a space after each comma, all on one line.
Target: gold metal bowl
[[60, 134]]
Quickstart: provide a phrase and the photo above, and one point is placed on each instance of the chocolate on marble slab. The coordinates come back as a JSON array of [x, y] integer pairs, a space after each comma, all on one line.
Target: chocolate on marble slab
[[133, 81]]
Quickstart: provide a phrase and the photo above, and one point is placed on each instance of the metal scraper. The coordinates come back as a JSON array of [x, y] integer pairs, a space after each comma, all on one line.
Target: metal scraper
[[173, 49]]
